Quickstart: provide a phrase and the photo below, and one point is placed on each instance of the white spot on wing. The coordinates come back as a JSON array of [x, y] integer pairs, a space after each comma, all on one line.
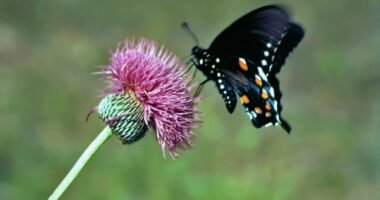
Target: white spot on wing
[[221, 86], [250, 115], [269, 124], [275, 105], [264, 62], [271, 91], [269, 45], [218, 74], [220, 81], [261, 73], [278, 117], [201, 61], [254, 114], [213, 66], [266, 53], [217, 60]]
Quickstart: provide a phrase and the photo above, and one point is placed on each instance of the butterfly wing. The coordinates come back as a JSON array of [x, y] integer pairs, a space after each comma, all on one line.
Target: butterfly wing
[[227, 91], [259, 36], [290, 40], [257, 95]]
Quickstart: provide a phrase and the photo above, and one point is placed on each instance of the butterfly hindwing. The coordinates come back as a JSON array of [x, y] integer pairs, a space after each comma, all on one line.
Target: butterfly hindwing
[[257, 95]]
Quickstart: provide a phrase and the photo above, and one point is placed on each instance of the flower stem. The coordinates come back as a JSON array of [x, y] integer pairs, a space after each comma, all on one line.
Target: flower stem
[[81, 162]]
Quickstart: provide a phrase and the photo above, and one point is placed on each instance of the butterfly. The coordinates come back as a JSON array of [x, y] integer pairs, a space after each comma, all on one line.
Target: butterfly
[[243, 61]]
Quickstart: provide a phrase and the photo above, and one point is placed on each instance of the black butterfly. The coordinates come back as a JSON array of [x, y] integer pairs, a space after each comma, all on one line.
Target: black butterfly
[[245, 58]]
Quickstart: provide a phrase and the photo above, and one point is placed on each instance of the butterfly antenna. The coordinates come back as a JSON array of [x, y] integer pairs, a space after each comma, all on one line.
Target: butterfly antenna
[[186, 27]]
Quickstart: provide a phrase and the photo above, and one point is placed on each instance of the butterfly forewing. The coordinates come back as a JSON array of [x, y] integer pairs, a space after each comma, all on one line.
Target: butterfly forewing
[[254, 36]]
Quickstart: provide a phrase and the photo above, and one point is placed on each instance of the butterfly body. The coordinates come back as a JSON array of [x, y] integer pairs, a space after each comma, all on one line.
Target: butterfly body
[[209, 65], [244, 59]]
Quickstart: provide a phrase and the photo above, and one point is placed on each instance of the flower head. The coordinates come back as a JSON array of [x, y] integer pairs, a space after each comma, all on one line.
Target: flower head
[[147, 87]]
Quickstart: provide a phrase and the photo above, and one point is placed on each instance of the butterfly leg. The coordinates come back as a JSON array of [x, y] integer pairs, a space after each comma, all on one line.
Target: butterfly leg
[[191, 62], [191, 66], [194, 64], [195, 73], [200, 87]]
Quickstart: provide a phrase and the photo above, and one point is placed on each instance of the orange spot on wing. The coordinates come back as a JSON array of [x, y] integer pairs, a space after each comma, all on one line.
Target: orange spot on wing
[[258, 110], [264, 94], [243, 64], [258, 81], [244, 99], [267, 106]]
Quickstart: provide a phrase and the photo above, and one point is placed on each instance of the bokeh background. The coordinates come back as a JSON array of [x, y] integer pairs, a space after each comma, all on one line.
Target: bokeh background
[[331, 85]]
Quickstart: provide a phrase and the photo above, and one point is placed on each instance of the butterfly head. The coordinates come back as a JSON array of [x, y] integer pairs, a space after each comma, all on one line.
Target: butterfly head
[[201, 56], [197, 52]]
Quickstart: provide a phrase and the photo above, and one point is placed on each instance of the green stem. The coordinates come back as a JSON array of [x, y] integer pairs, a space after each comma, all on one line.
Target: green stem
[[81, 162]]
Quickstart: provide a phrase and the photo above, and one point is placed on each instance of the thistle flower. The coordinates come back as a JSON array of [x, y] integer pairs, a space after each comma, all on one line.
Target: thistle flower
[[147, 90]]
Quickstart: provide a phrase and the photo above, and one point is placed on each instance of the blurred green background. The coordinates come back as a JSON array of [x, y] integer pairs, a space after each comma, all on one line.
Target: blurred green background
[[331, 85]]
